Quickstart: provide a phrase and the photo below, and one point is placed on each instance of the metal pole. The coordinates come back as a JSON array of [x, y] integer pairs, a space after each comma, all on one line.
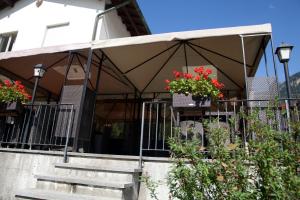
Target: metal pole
[[275, 67], [80, 112], [34, 90], [266, 63], [287, 80], [245, 69], [68, 135], [30, 113], [103, 13], [142, 134]]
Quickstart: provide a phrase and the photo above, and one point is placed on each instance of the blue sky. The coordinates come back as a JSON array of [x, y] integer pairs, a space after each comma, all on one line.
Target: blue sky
[[181, 15]]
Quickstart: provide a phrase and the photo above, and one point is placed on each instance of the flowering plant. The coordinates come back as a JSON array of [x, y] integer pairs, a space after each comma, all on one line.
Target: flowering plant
[[13, 91], [199, 85]]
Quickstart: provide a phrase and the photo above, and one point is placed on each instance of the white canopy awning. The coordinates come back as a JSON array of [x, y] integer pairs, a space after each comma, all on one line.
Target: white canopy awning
[[146, 61]]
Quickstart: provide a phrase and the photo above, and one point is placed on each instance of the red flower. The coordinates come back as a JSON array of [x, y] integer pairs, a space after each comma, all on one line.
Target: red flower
[[220, 95], [167, 81], [167, 88], [208, 71], [7, 83], [188, 76], [18, 82], [197, 78], [199, 70]]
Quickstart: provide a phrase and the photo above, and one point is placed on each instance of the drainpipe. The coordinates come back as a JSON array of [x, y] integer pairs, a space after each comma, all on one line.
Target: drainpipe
[[103, 13]]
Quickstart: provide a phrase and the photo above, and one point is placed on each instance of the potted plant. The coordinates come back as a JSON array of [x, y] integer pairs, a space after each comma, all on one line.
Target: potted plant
[[194, 90], [12, 96]]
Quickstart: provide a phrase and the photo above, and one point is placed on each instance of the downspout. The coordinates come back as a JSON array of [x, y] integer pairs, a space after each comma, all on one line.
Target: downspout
[[103, 13]]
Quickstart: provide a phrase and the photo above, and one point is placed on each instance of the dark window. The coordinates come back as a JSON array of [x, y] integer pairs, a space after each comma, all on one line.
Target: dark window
[[7, 41]]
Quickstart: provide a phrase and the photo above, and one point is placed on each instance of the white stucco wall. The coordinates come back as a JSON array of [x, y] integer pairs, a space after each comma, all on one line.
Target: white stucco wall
[[31, 22]]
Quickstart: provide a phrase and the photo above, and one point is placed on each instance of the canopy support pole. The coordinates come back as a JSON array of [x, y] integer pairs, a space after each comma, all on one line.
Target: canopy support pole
[[209, 61], [245, 70], [70, 60], [81, 65], [266, 63], [185, 57], [87, 71], [274, 65], [95, 92]]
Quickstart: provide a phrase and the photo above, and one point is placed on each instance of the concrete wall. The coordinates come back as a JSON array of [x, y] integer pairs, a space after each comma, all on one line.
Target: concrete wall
[[70, 21], [18, 167]]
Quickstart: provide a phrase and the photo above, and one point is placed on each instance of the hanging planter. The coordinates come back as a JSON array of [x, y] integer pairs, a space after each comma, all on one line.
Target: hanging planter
[[182, 100], [12, 97], [194, 91]]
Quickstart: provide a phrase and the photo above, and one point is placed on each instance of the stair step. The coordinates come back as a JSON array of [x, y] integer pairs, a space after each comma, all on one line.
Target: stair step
[[97, 168], [87, 182], [53, 195]]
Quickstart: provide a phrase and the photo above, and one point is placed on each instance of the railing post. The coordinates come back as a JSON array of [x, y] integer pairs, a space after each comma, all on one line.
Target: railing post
[[142, 134], [68, 135]]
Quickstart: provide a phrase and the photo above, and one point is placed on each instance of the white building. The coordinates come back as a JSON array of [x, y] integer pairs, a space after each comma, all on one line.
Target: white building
[[27, 24]]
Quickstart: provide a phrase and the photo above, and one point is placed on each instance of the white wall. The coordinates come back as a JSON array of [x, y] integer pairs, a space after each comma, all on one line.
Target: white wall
[[31, 22]]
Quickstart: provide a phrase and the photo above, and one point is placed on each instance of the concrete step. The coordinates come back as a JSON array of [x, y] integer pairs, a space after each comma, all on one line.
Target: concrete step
[[98, 168], [109, 161], [86, 186], [87, 182], [53, 195], [116, 174]]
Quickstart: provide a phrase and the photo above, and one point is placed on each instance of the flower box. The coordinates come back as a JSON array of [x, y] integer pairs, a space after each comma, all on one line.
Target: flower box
[[183, 101], [11, 108]]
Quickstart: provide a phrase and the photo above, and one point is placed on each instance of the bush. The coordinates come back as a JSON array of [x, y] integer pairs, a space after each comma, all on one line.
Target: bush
[[264, 168]]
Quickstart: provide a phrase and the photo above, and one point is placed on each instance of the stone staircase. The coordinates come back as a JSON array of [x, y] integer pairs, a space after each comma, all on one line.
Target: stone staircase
[[86, 181]]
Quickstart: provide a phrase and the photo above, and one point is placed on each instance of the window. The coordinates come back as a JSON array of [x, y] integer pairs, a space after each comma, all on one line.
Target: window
[[56, 34], [7, 41]]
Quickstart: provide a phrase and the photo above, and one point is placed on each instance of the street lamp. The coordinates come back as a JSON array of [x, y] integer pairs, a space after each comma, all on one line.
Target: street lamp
[[38, 72], [284, 52]]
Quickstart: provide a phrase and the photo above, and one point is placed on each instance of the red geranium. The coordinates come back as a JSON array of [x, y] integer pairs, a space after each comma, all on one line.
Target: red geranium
[[199, 85], [13, 91]]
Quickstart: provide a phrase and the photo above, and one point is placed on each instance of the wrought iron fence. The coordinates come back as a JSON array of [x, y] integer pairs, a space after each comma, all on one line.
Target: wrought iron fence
[[161, 121], [38, 126]]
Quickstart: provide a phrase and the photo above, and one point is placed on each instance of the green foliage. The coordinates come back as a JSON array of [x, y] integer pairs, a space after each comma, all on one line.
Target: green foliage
[[151, 185], [13, 91], [264, 168]]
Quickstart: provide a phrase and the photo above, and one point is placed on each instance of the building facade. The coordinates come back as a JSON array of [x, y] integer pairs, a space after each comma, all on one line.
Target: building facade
[[28, 24]]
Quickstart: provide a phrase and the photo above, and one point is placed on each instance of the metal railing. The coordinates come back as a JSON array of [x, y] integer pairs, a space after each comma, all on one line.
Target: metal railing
[[38, 126], [157, 124], [161, 121]]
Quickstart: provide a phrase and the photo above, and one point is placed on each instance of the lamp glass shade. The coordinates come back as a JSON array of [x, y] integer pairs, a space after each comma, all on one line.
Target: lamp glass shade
[[39, 71], [284, 54]]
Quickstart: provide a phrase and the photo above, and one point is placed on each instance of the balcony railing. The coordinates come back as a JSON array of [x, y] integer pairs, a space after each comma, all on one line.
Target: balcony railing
[[161, 121], [39, 126]]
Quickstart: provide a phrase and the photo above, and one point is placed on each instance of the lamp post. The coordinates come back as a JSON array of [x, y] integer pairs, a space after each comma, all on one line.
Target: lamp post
[[38, 72], [284, 52]]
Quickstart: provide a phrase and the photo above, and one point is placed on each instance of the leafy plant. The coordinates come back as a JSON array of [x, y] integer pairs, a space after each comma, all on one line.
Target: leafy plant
[[200, 85], [13, 91], [267, 167], [151, 185]]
